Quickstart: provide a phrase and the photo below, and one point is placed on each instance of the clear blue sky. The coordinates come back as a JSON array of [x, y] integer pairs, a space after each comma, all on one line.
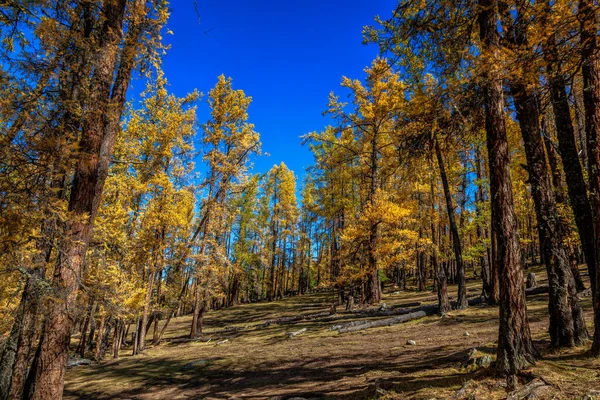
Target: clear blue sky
[[287, 55]]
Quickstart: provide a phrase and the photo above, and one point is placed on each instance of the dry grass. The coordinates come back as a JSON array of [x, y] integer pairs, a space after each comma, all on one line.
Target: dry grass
[[264, 363]]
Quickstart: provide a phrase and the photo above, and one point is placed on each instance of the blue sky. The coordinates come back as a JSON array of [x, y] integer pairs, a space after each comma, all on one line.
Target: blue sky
[[287, 55]]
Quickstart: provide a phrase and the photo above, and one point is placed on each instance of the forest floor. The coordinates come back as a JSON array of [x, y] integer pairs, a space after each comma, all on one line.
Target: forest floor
[[262, 362]]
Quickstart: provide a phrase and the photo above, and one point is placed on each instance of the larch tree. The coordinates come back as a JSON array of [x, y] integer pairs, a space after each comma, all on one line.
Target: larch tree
[[229, 142]]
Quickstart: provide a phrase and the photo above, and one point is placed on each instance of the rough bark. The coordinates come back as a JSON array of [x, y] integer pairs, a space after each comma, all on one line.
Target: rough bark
[[99, 130], [515, 348], [557, 182], [563, 305], [576, 185], [590, 70]]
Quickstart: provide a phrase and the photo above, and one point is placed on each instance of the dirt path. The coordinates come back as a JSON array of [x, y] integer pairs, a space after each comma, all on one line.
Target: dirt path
[[263, 363]]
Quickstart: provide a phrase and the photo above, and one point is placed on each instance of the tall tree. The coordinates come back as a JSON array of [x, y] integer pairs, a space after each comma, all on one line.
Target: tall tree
[[515, 348]]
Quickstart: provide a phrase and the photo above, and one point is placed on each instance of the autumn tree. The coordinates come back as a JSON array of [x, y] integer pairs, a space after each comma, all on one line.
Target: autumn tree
[[229, 143]]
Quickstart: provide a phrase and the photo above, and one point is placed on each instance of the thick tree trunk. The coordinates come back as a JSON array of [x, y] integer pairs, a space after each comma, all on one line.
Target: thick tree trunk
[[567, 147], [46, 378], [515, 348], [557, 182], [590, 70], [563, 304], [456, 245]]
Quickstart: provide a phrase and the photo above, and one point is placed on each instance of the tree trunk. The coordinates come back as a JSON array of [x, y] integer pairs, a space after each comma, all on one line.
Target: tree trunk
[[99, 337], [515, 348], [483, 259], [46, 377], [146, 312], [590, 70], [84, 331], [164, 328], [557, 180], [563, 304], [373, 292], [456, 245], [567, 147]]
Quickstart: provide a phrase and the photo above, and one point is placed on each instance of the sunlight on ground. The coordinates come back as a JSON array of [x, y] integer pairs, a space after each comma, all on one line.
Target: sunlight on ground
[[262, 362]]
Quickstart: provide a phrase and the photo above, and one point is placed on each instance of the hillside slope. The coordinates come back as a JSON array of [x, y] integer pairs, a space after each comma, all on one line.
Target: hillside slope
[[262, 362]]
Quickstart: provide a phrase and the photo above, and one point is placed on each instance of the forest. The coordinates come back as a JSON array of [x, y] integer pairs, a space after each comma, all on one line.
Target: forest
[[444, 242]]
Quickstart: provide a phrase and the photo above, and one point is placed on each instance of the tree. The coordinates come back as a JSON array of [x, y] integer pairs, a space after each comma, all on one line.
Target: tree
[[515, 349], [230, 142]]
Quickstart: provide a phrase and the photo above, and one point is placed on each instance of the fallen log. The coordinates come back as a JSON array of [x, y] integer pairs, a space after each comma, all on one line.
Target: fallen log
[[537, 290], [295, 318], [429, 309], [365, 313], [385, 311], [415, 313], [294, 334], [410, 314], [384, 322]]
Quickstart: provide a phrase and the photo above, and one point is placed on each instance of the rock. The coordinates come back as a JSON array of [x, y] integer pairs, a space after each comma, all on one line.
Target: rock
[[75, 362], [477, 359], [464, 391], [222, 342], [531, 281], [383, 307], [194, 364], [411, 342], [466, 334]]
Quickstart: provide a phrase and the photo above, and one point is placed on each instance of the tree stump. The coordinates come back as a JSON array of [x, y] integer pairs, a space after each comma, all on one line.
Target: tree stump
[[531, 281]]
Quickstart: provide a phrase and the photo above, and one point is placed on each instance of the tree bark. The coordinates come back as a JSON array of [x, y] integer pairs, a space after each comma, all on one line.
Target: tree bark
[[456, 245], [557, 180], [147, 303], [567, 147], [373, 292], [590, 71], [515, 348], [563, 305], [99, 130], [483, 259]]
